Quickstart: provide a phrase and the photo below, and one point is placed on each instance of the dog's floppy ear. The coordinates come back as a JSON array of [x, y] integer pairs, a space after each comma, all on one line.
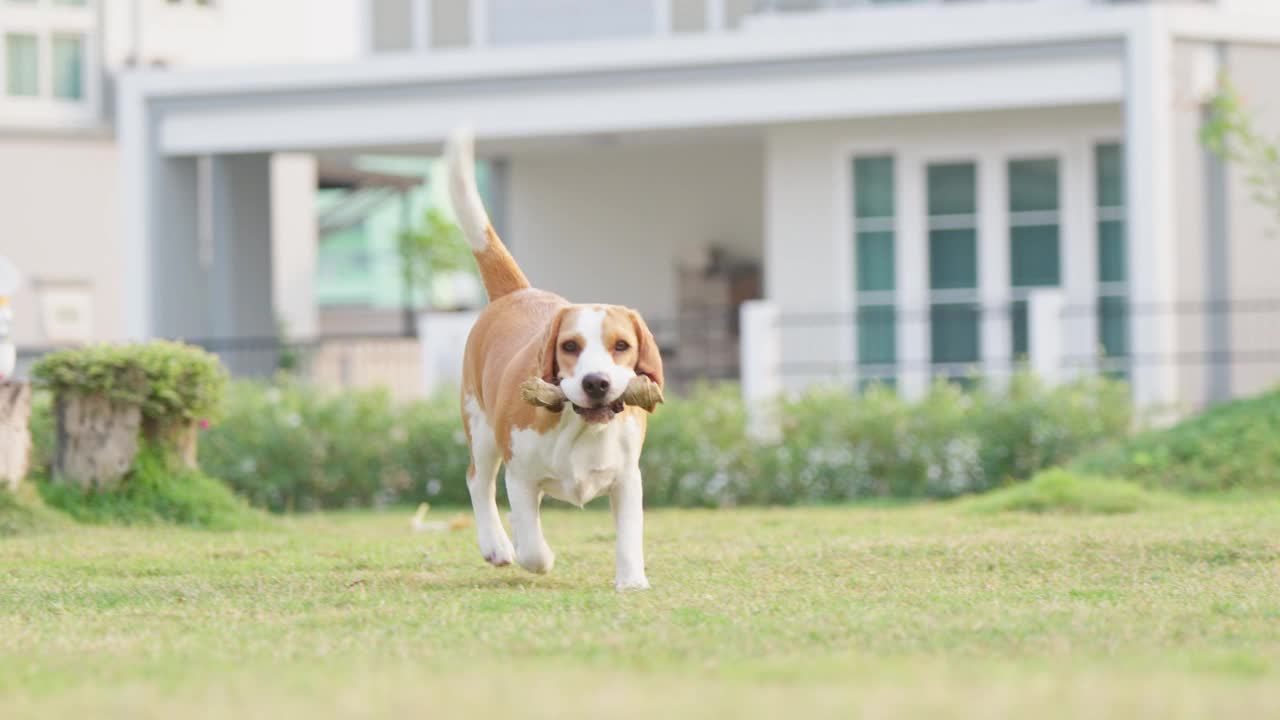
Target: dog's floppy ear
[[648, 358], [548, 367]]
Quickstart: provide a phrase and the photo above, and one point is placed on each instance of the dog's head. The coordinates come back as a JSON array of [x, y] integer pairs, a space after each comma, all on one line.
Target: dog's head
[[593, 351]]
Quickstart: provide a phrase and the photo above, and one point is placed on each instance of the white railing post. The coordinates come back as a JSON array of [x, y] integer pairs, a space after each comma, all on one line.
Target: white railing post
[[1046, 334], [761, 359]]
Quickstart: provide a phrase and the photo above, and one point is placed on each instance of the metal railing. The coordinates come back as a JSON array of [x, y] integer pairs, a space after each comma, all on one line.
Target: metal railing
[[1217, 348]]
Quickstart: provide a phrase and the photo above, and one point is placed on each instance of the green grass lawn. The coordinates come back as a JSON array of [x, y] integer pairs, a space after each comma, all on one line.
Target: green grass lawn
[[931, 611]]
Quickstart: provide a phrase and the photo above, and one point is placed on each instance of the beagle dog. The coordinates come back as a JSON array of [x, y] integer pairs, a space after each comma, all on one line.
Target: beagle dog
[[587, 447]]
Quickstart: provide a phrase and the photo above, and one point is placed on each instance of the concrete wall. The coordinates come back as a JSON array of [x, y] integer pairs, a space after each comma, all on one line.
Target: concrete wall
[[60, 223], [609, 225]]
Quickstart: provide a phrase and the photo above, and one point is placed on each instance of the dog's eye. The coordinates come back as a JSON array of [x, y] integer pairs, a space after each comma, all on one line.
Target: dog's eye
[[621, 346], [569, 346]]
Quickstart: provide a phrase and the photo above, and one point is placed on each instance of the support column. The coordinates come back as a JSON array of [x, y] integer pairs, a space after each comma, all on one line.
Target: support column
[[1079, 222], [294, 242], [761, 357], [165, 285], [912, 267], [1046, 334], [994, 287], [242, 313], [1149, 167]]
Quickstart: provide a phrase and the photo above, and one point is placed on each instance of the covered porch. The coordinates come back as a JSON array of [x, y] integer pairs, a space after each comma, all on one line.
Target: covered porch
[[625, 173]]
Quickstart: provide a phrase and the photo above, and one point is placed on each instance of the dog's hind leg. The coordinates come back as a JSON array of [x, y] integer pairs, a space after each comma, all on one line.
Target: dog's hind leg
[[482, 481]]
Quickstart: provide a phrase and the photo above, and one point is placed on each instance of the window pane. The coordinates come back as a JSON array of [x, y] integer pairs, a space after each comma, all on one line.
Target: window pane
[[68, 67], [1021, 326], [22, 60], [1113, 326], [877, 335], [1111, 252], [526, 22], [1034, 256], [873, 186], [953, 259], [954, 332], [1110, 161], [875, 261], [391, 25], [1033, 185], [953, 189]]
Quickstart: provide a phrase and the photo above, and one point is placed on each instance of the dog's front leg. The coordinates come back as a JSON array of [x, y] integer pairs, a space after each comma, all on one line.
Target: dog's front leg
[[532, 552], [627, 500]]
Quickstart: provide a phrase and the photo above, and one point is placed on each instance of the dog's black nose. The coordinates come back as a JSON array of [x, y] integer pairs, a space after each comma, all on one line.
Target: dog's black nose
[[595, 385]]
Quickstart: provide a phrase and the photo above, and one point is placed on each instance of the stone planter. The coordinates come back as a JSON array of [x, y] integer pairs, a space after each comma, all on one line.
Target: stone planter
[[97, 441], [177, 439], [15, 433]]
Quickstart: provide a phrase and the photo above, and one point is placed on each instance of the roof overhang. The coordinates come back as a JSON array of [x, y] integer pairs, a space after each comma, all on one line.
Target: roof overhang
[[887, 63]]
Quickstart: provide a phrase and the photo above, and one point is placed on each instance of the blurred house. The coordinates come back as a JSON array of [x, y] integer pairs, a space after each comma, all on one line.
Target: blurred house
[[60, 163], [913, 164]]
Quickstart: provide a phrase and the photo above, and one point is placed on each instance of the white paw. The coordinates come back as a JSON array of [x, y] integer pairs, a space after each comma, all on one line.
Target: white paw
[[538, 559], [636, 583], [497, 549]]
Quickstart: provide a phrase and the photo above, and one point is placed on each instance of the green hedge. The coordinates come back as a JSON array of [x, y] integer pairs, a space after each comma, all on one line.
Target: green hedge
[[1234, 446], [170, 381], [294, 447]]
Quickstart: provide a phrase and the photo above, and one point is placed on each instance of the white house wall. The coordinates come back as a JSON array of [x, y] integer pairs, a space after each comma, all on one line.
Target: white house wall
[[60, 224], [609, 225], [1254, 260]]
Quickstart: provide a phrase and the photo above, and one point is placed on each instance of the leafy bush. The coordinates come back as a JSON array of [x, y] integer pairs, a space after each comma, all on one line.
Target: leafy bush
[[696, 451], [1061, 491], [170, 381], [1233, 446], [294, 447], [155, 492], [297, 447], [43, 431]]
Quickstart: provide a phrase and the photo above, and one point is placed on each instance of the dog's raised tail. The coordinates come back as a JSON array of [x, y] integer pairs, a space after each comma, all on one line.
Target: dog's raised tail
[[498, 270]]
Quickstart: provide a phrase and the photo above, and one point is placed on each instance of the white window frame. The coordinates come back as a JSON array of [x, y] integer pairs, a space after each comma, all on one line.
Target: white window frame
[[1098, 214], [870, 298], [1077, 244], [44, 111]]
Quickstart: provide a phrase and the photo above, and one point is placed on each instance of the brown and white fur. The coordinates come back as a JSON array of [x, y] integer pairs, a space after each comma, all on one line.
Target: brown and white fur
[[588, 449]]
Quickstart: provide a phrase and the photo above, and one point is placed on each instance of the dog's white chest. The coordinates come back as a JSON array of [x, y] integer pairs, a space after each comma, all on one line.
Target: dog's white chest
[[576, 462]]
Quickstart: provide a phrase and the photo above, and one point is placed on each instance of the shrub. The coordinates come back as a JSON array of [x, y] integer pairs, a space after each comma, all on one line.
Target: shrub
[[169, 381], [1061, 491], [949, 443], [43, 432], [696, 451], [1232, 446], [155, 492], [292, 446]]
